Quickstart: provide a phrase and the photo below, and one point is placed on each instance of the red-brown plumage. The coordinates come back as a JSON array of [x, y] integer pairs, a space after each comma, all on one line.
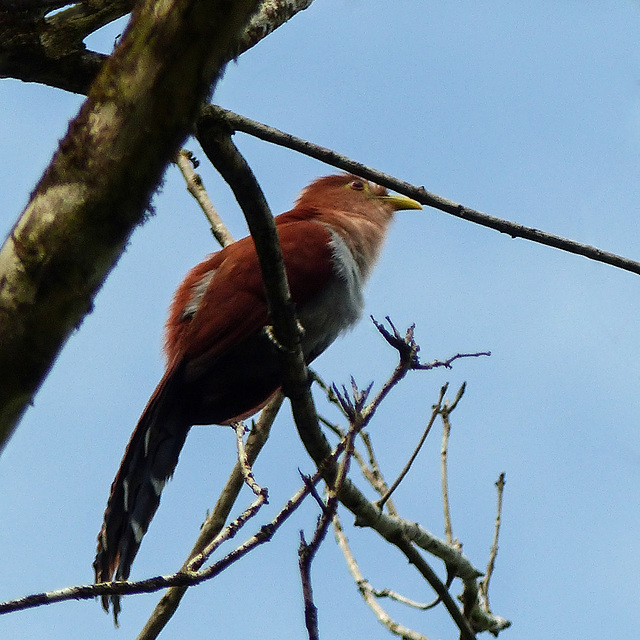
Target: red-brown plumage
[[221, 362], [234, 305]]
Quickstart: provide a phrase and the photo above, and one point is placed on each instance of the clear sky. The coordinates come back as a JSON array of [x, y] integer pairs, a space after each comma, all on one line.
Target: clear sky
[[528, 111]]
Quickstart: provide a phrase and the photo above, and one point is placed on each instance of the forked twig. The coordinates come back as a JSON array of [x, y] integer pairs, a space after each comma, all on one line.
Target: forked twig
[[245, 465]]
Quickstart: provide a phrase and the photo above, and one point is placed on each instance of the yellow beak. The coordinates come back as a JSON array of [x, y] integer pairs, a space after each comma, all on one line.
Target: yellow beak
[[401, 203]]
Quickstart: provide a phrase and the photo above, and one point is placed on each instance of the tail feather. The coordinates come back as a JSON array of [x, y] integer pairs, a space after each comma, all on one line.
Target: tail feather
[[149, 461]]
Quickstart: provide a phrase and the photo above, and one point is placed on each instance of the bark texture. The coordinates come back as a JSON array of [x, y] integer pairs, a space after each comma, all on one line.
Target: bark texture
[[98, 186]]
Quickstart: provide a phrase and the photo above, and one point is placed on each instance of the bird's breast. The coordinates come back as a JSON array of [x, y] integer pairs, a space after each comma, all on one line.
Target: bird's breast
[[337, 306]]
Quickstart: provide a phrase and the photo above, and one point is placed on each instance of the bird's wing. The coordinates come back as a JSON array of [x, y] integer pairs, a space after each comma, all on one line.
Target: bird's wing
[[225, 300]]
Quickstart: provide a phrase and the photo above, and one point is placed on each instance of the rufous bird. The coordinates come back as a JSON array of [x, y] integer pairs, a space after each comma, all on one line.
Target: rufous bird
[[222, 364]]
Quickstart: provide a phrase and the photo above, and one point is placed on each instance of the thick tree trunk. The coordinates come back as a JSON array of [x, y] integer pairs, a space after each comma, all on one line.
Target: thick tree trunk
[[97, 188]]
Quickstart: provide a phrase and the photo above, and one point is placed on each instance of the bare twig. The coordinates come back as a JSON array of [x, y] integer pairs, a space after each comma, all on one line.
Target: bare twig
[[448, 530], [484, 585], [446, 410], [398, 597], [245, 465], [232, 528], [187, 164], [426, 366], [307, 552], [368, 593], [370, 471], [378, 483], [403, 473], [408, 350], [228, 532]]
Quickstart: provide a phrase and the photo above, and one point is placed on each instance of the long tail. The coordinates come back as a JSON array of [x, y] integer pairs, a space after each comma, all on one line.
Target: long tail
[[149, 460]]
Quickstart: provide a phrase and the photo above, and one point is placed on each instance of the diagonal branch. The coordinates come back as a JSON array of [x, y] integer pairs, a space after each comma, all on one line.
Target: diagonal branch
[[514, 229], [434, 414], [215, 139], [187, 165], [368, 593]]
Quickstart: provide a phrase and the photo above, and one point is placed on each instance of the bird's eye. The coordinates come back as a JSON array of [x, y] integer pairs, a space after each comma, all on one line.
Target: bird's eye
[[358, 185]]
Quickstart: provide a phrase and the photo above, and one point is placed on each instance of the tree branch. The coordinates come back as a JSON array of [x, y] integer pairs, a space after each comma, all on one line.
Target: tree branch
[[215, 139], [187, 165], [368, 593], [515, 230], [50, 50], [484, 585]]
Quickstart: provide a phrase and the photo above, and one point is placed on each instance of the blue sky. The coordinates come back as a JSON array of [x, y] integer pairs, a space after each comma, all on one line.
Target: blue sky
[[528, 111]]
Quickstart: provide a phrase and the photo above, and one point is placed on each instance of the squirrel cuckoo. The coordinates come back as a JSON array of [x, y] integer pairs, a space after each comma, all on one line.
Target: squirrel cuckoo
[[222, 363]]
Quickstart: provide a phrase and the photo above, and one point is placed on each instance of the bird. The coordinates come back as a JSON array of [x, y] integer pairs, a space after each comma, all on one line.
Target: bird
[[222, 364]]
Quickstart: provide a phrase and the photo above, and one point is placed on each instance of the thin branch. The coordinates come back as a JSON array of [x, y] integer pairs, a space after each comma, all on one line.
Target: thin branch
[[484, 585], [379, 483], [187, 164], [228, 532], [426, 366], [515, 230], [245, 465], [403, 473], [183, 578], [398, 597], [448, 530], [215, 138], [310, 609], [446, 410], [370, 471], [368, 593], [307, 552], [408, 350]]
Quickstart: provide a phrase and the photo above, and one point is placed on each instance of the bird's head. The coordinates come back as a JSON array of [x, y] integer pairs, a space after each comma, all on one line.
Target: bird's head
[[359, 210], [354, 196]]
